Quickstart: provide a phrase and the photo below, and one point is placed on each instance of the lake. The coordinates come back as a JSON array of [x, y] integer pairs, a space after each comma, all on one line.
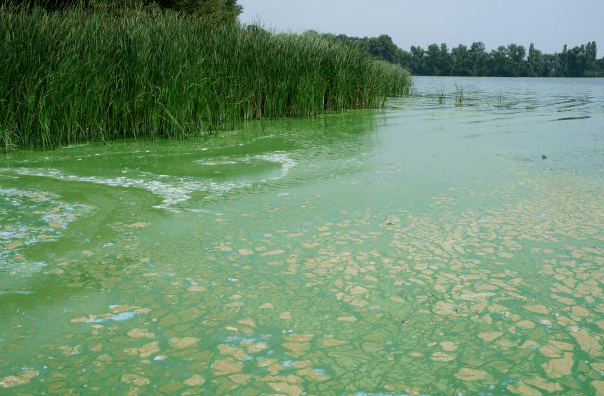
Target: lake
[[449, 244]]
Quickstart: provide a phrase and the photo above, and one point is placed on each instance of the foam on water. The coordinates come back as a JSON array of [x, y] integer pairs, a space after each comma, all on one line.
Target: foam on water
[[31, 216], [172, 190]]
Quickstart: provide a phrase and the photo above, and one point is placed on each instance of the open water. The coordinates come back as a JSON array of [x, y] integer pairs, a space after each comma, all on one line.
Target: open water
[[450, 244]]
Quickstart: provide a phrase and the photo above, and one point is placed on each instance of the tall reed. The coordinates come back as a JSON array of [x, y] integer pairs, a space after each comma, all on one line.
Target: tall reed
[[81, 75]]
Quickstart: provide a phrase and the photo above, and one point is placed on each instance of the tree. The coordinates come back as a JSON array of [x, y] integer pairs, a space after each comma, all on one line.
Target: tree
[[446, 60], [535, 63], [577, 61], [433, 60], [516, 55], [418, 65], [477, 60], [211, 11], [498, 62], [591, 53], [461, 60]]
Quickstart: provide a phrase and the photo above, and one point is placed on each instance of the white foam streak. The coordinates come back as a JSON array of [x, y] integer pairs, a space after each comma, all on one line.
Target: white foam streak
[[172, 190]]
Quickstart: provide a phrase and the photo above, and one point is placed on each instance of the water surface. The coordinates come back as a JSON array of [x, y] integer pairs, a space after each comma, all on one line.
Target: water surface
[[437, 247]]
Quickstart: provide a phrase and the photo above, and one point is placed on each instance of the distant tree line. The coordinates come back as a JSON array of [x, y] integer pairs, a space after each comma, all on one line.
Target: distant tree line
[[214, 11], [510, 61]]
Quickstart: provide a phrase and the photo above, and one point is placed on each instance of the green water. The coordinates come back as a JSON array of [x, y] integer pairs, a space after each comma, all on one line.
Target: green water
[[422, 249]]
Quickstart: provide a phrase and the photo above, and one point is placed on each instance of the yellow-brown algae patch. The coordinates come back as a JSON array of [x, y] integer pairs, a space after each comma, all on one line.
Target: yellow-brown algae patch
[[139, 224], [247, 321], [148, 349], [598, 386], [497, 308], [561, 289], [563, 300], [448, 346], [296, 346], [272, 252], [266, 362], [245, 252], [329, 342], [526, 324], [196, 288], [135, 379], [469, 374], [397, 299], [490, 335], [523, 389], [14, 244], [444, 308], [240, 379], [291, 390], [257, 347], [195, 380], [599, 367], [122, 308], [557, 368], [266, 306], [170, 320], [347, 319], [588, 343], [275, 368], [237, 353], [542, 383], [21, 379], [565, 346], [316, 375], [579, 311], [358, 290], [441, 357], [140, 333], [226, 366], [565, 321], [285, 315], [529, 344], [542, 309], [301, 337], [475, 296], [479, 307], [550, 351], [183, 342]]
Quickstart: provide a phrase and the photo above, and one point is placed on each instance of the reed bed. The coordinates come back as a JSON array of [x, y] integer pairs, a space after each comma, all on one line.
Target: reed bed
[[80, 76]]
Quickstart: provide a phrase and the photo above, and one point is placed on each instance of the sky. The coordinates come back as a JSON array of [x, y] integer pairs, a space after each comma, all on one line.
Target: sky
[[549, 24]]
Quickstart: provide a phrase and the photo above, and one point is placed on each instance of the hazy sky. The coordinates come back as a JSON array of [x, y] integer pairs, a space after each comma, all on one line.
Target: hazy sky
[[549, 24]]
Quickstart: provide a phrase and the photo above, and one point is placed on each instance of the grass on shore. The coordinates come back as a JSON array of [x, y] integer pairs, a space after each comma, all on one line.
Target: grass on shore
[[79, 76]]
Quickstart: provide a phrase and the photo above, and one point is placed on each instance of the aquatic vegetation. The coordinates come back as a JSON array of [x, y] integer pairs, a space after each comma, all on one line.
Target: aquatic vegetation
[[440, 94], [458, 96], [84, 75]]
